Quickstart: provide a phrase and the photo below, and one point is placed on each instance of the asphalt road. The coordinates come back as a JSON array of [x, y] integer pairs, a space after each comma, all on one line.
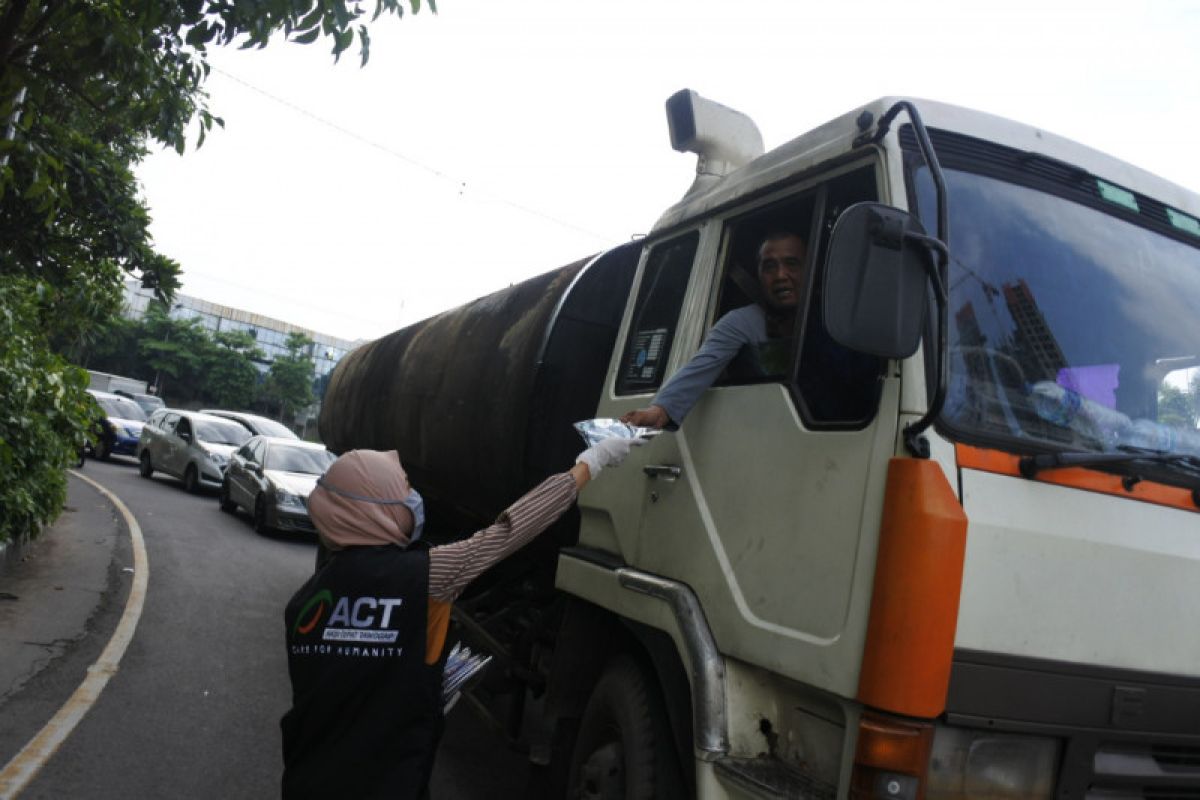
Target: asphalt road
[[194, 709]]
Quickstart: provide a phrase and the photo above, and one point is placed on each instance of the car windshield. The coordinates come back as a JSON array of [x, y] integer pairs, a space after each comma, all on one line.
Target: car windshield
[[121, 408], [308, 460], [1070, 327], [215, 431]]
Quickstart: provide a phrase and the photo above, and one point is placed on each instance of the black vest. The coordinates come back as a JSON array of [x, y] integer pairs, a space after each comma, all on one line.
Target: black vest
[[366, 709]]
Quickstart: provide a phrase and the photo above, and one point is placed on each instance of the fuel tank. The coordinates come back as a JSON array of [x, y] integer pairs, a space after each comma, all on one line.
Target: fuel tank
[[479, 400]]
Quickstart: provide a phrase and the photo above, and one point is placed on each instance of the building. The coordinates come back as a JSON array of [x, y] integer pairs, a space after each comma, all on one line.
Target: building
[[270, 334]]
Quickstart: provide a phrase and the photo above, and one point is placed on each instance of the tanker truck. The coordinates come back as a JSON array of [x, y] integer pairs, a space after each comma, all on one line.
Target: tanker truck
[[949, 550]]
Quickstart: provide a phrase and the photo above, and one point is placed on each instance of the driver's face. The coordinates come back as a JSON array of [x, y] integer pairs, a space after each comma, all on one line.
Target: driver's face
[[781, 270]]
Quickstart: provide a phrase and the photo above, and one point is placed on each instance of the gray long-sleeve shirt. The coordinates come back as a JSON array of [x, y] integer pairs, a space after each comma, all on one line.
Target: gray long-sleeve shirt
[[741, 326]]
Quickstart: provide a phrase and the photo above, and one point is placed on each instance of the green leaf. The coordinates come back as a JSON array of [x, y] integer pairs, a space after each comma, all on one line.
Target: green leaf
[[308, 37]]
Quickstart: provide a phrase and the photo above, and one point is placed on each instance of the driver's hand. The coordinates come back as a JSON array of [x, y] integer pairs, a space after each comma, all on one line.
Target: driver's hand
[[649, 417]]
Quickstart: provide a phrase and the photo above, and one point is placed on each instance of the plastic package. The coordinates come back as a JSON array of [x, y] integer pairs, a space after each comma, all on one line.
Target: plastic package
[[461, 665], [1071, 410], [594, 431]]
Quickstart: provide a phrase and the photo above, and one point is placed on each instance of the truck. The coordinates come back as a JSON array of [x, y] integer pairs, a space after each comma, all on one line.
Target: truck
[[949, 551], [107, 382]]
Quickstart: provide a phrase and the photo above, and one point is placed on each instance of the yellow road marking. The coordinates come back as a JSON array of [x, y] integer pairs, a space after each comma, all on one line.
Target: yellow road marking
[[19, 772]]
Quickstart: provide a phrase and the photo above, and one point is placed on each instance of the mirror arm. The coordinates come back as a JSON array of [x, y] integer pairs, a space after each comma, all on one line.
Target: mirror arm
[[917, 445], [937, 269]]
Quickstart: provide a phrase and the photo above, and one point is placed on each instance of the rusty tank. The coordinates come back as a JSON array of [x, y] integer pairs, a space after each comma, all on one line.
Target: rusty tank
[[479, 400]]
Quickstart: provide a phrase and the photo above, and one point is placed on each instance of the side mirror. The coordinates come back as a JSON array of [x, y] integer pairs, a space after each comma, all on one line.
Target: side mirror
[[877, 280], [187, 437]]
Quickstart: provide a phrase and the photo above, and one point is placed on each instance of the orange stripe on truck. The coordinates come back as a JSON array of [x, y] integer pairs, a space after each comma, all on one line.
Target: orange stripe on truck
[[1089, 480], [918, 581]]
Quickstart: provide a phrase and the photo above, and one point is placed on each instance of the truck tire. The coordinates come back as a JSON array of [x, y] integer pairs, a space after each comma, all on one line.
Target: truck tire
[[624, 747]]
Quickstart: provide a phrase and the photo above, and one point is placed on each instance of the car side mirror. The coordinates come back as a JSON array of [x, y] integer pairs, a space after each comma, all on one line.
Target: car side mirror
[[877, 280], [187, 437]]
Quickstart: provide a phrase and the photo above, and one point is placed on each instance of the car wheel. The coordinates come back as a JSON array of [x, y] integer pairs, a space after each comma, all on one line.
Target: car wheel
[[191, 479], [624, 747], [227, 504], [260, 514], [145, 468], [103, 449]]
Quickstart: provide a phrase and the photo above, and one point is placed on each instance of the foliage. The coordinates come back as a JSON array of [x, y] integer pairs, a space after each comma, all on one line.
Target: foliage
[[289, 383], [45, 413], [231, 379], [1180, 407], [85, 87]]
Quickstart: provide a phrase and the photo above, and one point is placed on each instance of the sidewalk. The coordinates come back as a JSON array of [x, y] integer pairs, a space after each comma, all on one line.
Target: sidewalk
[[48, 597]]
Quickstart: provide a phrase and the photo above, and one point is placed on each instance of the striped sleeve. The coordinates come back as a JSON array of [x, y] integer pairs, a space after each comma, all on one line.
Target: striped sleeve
[[453, 566]]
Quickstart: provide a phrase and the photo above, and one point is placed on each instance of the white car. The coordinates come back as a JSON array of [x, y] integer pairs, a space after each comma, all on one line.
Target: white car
[[271, 477], [188, 445]]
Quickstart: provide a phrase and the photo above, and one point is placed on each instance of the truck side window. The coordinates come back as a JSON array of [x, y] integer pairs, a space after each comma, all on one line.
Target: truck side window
[[836, 387], [656, 315], [833, 387]]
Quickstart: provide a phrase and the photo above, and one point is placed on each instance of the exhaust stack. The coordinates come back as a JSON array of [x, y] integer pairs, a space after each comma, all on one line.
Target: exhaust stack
[[723, 139]]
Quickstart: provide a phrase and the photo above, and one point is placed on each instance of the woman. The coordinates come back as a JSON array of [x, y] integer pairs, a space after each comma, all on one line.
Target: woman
[[365, 633]]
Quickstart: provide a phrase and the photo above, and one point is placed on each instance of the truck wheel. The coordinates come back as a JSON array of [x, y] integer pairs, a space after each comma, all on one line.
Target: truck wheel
[[191, 479], [624, 747], [145, 468]]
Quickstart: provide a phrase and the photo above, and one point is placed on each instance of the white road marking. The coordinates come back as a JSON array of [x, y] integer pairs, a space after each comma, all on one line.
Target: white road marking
[[19, 772]]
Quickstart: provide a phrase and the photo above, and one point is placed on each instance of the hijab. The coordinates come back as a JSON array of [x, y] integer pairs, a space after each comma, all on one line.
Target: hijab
[[361, 500]]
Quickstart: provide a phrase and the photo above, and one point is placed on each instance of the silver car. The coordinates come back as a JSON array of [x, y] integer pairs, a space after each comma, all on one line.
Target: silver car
[[188, 445], [257, 425], [271, 477]]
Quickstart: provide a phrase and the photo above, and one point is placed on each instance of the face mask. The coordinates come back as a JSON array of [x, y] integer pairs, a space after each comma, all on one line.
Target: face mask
[[416, 504]]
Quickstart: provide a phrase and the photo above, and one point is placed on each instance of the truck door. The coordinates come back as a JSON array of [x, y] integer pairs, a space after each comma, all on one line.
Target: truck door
[[758, 501]]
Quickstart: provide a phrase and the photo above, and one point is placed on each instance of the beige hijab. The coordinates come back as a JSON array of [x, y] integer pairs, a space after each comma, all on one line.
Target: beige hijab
[[357, 501]]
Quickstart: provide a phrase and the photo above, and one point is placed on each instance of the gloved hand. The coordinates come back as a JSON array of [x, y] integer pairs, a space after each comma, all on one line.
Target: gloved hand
[[607, 453]]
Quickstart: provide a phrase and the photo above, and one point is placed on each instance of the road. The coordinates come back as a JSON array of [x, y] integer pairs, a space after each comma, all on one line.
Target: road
[[194, 709]]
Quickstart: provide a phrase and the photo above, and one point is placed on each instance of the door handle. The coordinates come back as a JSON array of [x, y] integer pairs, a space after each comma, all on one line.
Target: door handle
[[668, 472]]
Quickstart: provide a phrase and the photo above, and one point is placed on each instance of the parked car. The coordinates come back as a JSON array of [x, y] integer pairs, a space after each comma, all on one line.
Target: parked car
[[119, 428], [149, 402], [271, 477], [188, 445], [264, 426]]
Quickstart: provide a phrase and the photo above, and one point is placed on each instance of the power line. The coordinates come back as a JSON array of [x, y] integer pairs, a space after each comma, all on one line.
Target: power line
[[459, 184]]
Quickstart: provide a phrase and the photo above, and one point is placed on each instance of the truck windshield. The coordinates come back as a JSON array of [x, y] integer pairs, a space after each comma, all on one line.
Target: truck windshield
[[1070, 327]]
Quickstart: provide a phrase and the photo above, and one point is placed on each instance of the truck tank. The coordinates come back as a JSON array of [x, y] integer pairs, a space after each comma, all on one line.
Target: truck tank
[[538, 350]]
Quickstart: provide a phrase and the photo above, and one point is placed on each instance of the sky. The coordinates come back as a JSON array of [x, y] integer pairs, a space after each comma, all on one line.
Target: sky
[[491, 142]]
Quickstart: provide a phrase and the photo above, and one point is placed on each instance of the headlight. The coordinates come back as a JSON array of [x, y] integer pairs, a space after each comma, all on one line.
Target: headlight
[[288, 500], [969, 764], [133, 433], [217, 459]]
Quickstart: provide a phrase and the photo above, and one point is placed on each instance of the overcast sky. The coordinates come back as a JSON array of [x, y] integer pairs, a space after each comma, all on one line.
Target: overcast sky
[[495, 141]]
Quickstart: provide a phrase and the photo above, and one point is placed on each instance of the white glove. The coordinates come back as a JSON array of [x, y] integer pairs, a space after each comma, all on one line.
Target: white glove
[[607, 453]]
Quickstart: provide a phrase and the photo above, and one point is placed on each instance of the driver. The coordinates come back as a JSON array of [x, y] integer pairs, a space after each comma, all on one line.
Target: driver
[[780, 276]]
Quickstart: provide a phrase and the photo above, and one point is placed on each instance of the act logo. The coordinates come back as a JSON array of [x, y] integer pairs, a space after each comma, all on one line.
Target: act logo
[[359, 619], [322, 601]]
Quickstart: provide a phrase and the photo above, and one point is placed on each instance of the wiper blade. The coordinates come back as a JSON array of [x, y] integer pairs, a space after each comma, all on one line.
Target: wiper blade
[[1030, 466]]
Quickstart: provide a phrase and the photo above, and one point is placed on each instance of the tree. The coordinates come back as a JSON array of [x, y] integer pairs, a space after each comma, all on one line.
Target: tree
[[230, 377], [1180, 407], [44, 413], [289, 383], [84, 86]]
